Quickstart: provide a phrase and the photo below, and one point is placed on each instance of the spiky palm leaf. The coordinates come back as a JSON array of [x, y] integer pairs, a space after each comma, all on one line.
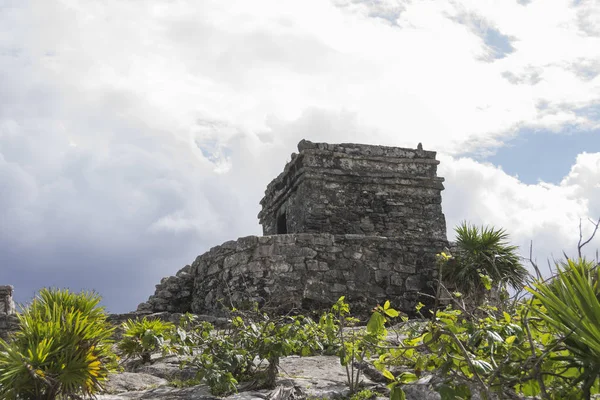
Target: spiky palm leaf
[[143, 337], [62, 348], [572, 307], [484, 250]]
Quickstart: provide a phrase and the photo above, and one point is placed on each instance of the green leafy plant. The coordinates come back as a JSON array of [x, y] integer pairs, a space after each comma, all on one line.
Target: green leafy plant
[[545, 346], [484, 260], [61, 350], [143, 337], [571, 306], [365, 394], [180, 383], [224, 358], [357, 346]]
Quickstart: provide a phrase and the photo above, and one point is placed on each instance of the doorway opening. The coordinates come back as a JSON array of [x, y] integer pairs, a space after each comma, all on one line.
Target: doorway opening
[[281, 224]]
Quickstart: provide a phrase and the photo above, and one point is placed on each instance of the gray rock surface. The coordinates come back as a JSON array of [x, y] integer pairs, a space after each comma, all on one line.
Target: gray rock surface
[[312, 377], [163, 393], [309, 271], [130, 381], [8, 319], [353, 188], [7, 305], [167, 368]]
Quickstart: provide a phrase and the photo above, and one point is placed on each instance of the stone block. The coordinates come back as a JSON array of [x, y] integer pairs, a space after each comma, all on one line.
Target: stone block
[[7, 305], [414, 283], [281, 267], [263, 251], [213, 269], [164, 294], [314, 265], [236, 259], [396, 280]]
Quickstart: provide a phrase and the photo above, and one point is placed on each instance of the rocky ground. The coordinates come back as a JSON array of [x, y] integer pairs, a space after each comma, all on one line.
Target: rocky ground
[[300, 377]]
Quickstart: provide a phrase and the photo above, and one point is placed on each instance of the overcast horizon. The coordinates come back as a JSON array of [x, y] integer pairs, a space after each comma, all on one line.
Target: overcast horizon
[[134, 136]]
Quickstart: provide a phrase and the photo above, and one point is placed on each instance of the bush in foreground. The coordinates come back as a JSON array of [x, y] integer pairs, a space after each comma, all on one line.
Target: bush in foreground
[[144, 337], [61, 350]]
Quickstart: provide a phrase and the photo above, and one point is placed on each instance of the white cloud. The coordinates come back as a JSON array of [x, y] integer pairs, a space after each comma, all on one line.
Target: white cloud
[[134, 135], [544, 213]]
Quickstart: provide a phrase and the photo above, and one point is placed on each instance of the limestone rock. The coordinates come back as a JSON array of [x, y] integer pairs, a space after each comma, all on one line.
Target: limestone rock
[[7, 306], [129, 381], [167, 368], [299, 378], [200, 392]]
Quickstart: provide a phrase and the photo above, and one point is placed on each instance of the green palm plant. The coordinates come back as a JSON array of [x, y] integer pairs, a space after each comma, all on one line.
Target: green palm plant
[[484, 251], [143, 337], [61, 350], [572, 307]]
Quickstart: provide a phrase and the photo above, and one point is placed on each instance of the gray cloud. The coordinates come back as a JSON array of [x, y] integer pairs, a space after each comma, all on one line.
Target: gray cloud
[[587, 17], [386, 10], [133, 138], [499, 45], [529, 76], [586, 69]]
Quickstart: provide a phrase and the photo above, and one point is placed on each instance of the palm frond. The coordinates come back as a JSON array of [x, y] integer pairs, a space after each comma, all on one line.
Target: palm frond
[[484, 250]]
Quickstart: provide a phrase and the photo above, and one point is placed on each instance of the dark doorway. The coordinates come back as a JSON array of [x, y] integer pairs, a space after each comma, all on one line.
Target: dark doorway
[[281, 224]]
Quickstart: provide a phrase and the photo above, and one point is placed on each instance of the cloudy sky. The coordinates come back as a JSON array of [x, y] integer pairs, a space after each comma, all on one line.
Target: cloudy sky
[[135, 135]]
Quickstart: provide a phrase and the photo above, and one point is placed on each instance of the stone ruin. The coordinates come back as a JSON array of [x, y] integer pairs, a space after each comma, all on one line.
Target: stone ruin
[[8, 320], [356, 220]]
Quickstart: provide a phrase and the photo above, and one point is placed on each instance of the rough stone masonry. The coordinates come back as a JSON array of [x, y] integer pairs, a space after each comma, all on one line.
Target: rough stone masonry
[[8, 320], [341, 219]]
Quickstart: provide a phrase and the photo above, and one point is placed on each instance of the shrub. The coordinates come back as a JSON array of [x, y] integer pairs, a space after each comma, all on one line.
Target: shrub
[[249, 349], [572, 307], [61, 350], [484, 252], [143, 337]]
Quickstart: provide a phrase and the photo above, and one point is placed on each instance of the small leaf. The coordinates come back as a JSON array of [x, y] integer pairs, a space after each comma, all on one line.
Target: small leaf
[[482, 366], [390, 312], [388, 375], [376, 324], [396, 393], [408, 377], [494, 336], [486, 280], [529, 388]]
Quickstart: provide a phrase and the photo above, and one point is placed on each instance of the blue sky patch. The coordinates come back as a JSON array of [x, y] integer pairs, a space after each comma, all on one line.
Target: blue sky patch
[[499, 43], [543, 155]]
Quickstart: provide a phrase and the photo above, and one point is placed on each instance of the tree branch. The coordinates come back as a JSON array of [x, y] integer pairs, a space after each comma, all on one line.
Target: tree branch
[[581, 245]]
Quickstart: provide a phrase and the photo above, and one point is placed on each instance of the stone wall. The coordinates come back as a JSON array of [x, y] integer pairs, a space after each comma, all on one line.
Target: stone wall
[[356, 189], [342, 219], [303, 271], [8, 320]]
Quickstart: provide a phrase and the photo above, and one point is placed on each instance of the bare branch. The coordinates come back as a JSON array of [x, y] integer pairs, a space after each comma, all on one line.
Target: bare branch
[[533, 263], [581, 245]]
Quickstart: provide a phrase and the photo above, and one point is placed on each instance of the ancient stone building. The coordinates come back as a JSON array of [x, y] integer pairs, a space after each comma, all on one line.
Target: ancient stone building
[[356, 189], [342, 219], [8, 320]]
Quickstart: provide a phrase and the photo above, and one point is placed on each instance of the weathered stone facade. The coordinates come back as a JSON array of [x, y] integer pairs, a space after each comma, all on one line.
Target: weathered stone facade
[[356, 189], [8, 320], [342, 219], [299, 271]]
